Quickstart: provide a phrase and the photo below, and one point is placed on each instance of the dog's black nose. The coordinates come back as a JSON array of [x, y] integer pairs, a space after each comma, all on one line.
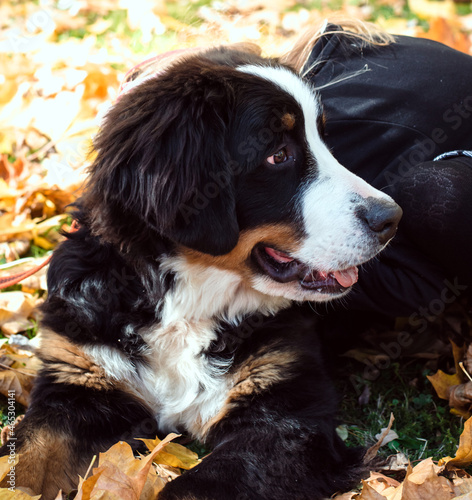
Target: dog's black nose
[[382, 218]]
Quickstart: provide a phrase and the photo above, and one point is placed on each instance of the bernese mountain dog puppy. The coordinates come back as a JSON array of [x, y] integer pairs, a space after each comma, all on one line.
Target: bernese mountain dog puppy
[[212, 208]]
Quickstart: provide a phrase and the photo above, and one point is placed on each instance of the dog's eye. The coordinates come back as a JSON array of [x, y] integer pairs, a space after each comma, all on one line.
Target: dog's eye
[[281, 156]]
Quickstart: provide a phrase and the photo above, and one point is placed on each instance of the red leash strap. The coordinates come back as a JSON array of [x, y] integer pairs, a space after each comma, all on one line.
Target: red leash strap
[[14, 279]]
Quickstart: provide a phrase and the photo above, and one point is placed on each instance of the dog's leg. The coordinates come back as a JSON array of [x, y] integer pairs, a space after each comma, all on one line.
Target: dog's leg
[[75, 412], [47, 459], [275, 439]]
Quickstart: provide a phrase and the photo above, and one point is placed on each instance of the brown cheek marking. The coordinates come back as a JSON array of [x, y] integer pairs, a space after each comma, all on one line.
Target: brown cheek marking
[[283, 237], [258, 374], [288, 121], [70, 365], [45, 463]]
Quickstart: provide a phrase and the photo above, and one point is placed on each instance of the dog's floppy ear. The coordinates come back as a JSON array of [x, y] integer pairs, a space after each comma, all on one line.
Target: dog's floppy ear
[[162, 159]]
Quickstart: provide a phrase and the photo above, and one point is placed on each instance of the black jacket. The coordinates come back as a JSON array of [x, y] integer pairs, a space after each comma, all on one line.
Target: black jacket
[[392, 111]]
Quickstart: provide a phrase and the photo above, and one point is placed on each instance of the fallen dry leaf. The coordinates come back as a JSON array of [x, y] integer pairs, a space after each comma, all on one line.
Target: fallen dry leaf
[[446, 384], [372, 451], [423, 483], [369, 492], [463, 487], [174, 454], [121, 476], [17, 372], [18, 382], [15, 305], [463, 456]]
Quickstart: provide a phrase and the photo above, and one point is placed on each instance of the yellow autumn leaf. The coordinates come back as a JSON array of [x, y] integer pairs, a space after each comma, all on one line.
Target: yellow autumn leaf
[[121, 476], [42, 242], [6, 463], [461, 413], [442, 382], [463, 456], [174, 454], [25, 361]]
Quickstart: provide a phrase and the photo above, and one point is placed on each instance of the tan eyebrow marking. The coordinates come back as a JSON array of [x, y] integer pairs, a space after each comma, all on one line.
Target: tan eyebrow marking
[[288, 121]]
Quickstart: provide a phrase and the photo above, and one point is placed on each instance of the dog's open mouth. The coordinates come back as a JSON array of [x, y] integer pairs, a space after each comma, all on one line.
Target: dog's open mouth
[[283, 268]]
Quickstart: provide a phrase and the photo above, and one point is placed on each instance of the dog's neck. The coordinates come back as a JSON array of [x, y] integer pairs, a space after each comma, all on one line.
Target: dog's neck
[[203, 294]]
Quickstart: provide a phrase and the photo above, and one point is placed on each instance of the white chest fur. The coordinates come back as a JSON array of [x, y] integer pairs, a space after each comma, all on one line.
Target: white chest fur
[[184, 387], [187, 387]]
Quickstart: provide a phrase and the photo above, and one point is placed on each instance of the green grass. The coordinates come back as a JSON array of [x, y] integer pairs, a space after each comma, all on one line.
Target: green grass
[[423, 422]]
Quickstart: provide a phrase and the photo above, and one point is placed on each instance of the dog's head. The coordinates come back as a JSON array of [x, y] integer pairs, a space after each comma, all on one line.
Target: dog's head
[[221, 154]]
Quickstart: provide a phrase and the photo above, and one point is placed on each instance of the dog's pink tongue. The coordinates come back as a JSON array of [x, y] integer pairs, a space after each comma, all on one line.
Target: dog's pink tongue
[[347, 277]]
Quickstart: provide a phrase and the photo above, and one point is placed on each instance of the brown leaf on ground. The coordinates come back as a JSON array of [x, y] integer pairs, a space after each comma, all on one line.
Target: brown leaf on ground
[[446, 384], [442, 383], [369, 492], [460, 397], [423, 483], [124, 477], [17, 382], [17, 372], [463, 456], [372, 451], [14, 305], [463, 487]]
